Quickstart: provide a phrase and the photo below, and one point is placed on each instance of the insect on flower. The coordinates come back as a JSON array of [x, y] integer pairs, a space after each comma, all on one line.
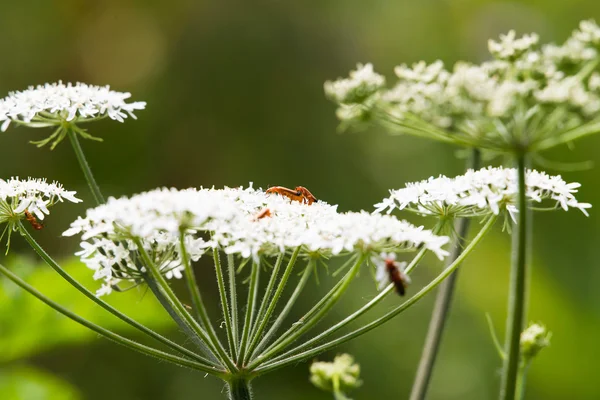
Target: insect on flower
[[33, 221], [396, 275], [300, 193], [262, 214]]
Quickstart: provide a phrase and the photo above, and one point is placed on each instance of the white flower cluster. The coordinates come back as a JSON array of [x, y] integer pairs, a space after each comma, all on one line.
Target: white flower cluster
[[340, 375], [53, 103], [510, 48], [32, 195], [362, 83], [488, 103], [479, 193], [244, 222]]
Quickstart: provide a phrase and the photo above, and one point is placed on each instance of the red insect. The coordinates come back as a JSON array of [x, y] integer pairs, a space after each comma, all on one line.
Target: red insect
[[262, 214], [300, 193], [33, 221], [396, 274]]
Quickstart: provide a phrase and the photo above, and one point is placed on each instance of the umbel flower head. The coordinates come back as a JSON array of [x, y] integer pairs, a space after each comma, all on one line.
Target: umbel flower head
[[232, 220], [339, 376], [481, 193], [19, 197], [65, 106], [528, 97]]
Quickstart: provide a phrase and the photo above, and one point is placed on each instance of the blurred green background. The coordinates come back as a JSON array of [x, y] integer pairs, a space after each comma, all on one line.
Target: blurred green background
[[234, 92]]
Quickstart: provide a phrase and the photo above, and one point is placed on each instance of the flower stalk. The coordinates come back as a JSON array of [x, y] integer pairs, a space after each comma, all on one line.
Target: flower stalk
[[517, 290], [85, 167]]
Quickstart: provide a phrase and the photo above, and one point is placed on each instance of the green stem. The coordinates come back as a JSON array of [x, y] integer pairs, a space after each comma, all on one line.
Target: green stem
[[109, 334], [239, 389], [250, 311], [269, 311], [442, 305], [224, 303], [517, 290], [391, 314], [199, 304], [288, 306], [302, 326], [233, 297], [176, 306], [376, 300], [54, 265], [89, 177], [522, 380]]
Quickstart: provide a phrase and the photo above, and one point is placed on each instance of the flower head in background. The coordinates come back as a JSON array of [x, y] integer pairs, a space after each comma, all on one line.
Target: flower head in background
[[225, 219], [534, 339], [29, 199], [339, 376], [529, 96], [65, 106], [481, 193]]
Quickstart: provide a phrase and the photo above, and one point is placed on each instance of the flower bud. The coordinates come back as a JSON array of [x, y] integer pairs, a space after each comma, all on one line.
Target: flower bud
[[338, 376]]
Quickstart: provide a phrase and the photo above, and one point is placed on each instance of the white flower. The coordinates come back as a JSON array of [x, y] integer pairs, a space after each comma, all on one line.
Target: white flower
[[421, 72], [33, 195], [227, 219], [69, 102], [341, 375], [509, 48], [479, 193], [534, 339], [362, 83], [589, 33]]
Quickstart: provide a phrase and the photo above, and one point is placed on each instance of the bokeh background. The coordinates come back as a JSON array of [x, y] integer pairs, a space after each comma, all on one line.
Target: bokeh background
[[234, 92]]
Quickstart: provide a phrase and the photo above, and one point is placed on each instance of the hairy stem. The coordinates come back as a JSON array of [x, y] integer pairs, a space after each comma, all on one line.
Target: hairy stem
[[517, 290]]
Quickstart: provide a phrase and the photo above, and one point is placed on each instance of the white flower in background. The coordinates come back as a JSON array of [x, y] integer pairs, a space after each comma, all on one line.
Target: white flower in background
[[542, 93], [338, 376], [588, 33], [362, 83], [235, 221], [511, 48], [480, 193], [534, 339], [58, 103]]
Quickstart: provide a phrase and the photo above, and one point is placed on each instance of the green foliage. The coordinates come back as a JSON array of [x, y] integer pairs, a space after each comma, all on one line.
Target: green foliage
[[23, 382], [27, 326]]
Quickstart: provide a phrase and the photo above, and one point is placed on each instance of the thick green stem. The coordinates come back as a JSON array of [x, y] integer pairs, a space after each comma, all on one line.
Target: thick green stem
[[239, 389], [109, 334], [85, 168], [250, 311], [442, 306], [391, 314], [302, 326], [40, 251], [517, 290]]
